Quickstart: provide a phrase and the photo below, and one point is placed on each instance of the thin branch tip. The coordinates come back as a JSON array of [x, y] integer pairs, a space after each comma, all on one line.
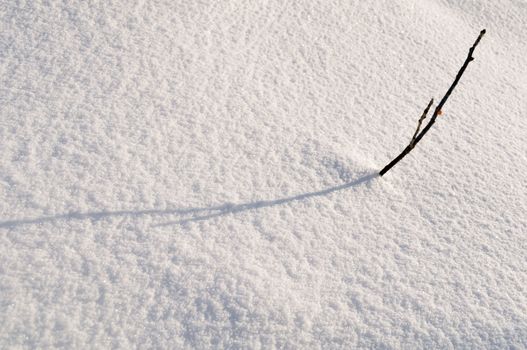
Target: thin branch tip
[[423, 116]]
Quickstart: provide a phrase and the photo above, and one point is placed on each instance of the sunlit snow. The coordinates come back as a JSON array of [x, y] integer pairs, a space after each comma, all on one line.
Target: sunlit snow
[[203, 174]]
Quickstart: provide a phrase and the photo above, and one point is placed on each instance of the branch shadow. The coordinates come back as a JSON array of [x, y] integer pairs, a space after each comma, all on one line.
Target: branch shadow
[[233, 209], [197, 214]]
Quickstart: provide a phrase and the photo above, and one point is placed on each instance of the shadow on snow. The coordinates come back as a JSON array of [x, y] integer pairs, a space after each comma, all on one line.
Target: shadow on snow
[[198, 214]]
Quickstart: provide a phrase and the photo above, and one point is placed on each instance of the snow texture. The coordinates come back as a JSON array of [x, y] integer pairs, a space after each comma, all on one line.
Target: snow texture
[[180, 174]]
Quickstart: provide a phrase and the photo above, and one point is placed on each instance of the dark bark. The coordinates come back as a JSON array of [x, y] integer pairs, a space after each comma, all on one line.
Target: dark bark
[[423, 116], [437, 110]]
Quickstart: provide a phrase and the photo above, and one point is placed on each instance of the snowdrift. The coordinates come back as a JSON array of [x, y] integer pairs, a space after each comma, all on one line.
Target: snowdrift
[[204, 175]]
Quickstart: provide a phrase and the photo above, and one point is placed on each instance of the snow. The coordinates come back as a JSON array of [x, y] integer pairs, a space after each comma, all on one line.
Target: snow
[[204, 175]]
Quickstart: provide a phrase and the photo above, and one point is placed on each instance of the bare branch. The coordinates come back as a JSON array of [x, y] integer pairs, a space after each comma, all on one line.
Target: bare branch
[[437, 110]]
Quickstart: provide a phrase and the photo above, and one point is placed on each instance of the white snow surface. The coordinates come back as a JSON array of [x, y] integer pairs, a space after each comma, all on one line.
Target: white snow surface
[[180, 174]]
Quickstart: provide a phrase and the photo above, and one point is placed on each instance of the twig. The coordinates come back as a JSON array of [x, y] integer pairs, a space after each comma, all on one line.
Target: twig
[[423, 116], [437, 110]]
